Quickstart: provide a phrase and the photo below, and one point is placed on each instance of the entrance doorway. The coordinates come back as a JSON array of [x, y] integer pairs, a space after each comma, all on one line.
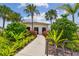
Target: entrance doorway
[[43, 29], [36, 29]]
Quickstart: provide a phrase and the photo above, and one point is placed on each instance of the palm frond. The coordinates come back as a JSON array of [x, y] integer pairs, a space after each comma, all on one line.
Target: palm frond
[[51, 14], [76, 7], [67, 7]]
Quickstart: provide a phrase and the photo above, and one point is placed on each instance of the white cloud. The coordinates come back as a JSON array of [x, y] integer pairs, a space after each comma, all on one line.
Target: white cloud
[[37, 4], [41, 4], [37, 18]]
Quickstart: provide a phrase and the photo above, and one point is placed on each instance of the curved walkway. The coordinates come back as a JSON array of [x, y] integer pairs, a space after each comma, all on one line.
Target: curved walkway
[[35, 48]]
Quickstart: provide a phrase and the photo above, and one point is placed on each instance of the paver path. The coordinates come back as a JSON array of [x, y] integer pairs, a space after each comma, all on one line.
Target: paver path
[[35, 48]]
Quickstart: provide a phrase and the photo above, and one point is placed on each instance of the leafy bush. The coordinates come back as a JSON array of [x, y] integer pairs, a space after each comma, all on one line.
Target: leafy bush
[[20, 44], [55, 37], [9, 49], [3, 41], [16, 27], [73, 45], [68, 27], [15, 31], [14, 38], [5, 47]]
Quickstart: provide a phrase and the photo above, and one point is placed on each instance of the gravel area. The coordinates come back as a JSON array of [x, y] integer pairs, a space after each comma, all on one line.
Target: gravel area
[[67, 52]]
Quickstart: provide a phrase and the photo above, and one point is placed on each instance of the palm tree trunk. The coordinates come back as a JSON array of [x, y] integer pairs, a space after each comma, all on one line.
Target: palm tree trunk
[[3, 22], [73, 18], [32, 20]]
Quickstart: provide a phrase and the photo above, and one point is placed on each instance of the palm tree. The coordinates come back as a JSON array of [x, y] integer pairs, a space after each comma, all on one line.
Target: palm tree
[[31, 9], [15, 16], [50, 15], [71, 9], [4, 13]]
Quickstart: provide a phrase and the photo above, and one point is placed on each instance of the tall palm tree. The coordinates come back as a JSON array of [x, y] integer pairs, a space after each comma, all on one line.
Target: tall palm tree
[[71, 9], [31, 9], [50, 15], [4, 13]]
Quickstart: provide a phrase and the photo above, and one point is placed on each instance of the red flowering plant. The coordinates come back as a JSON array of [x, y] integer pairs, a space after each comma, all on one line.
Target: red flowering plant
[[33, 32], [45, 33]]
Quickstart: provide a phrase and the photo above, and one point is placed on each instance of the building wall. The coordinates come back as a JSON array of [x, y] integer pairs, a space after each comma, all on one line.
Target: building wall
[[40, 26]]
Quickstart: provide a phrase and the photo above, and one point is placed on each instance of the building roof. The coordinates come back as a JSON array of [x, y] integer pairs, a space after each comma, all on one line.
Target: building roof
[[37, 22]]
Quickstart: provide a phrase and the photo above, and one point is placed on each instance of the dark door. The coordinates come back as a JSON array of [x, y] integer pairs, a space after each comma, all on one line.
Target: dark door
[[36, 29], [43, 29]]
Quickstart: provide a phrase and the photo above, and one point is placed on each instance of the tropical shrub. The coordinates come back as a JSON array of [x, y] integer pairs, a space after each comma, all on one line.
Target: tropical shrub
[[68, 26], [21, 43], [55, 37], [73, 45], [14, 38], [7, 51], [5, 47], [15, 31], [8, 48]]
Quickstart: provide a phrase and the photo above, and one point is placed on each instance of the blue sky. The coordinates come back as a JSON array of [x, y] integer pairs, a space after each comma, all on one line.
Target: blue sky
[[42, 7]]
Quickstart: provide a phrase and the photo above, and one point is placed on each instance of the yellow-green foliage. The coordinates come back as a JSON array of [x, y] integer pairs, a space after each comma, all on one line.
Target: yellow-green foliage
[[51, 43], [73, 45], [9, 49], [55, 38]]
